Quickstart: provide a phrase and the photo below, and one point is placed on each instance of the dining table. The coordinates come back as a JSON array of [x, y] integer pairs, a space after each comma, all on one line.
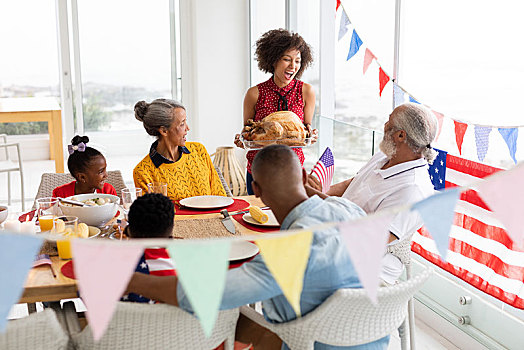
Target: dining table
[[42, 286]]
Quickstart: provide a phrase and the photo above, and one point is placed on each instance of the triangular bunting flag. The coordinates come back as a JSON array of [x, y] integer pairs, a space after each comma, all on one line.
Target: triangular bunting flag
[[482, 141], [103, 272], [510, 135], [412, 99], [365, 241], [383, 79], [398, 95], [201, 268], [355, 45], [438, 212], [286, 258], [460, 130], [344, 23], [18, 253], [440, 120], [368, 58], [503, 193]]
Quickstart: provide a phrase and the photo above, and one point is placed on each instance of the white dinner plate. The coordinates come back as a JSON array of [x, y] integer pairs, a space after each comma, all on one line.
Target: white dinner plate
[[271, 222], [206, 202], [241, 250]]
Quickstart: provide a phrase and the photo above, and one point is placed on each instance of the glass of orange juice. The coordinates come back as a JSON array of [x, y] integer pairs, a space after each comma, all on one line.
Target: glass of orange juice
[[47, 209], [66, 226]]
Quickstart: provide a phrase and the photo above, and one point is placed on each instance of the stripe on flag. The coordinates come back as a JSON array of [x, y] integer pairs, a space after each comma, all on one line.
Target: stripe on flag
[[324, 169], [480, 251]]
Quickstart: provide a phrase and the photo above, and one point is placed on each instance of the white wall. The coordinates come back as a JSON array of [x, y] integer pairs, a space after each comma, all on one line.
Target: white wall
[[215, 68]]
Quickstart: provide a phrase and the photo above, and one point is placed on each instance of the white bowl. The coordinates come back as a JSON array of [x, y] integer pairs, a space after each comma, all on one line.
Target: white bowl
[[97, 215], [3, 213]]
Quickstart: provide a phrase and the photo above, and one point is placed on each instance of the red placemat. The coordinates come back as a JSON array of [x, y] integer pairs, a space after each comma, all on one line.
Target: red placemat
[[238, 204], [69, 271], [27, 216], [241, 221]]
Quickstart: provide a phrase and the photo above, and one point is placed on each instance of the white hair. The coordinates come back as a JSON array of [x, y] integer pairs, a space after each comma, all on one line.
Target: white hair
[[420, 125]]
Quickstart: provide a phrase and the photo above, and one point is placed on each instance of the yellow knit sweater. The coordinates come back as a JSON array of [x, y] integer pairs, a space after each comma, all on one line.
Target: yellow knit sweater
[[192, 175]]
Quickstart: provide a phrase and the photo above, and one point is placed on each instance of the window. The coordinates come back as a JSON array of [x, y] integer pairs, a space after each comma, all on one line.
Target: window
[[125, 50], [265, 15], [29, 60], [468, 67]]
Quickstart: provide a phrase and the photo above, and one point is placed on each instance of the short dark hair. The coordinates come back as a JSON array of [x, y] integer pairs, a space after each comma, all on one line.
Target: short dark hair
[[277, 157], [151, 216], [78, 161], [272, 45]]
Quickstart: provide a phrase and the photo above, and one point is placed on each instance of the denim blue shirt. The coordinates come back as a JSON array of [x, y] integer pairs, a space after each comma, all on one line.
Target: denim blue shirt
[[328, 269]]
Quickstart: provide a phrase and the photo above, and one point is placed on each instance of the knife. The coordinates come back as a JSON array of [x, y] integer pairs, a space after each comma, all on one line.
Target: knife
[[226, 221]]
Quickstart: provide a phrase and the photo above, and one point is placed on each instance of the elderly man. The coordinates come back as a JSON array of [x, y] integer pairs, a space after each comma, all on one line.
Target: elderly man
[[394, 177], [278, 179]]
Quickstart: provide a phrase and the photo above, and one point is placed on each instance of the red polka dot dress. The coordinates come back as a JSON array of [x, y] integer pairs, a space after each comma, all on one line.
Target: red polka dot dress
[[269, 101]]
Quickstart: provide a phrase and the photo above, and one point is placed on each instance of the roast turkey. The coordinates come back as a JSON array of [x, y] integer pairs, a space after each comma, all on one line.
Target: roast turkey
[[283, 127]]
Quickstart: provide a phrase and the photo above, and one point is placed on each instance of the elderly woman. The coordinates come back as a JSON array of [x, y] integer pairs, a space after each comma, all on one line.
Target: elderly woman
[[185, 166], [286, 56]]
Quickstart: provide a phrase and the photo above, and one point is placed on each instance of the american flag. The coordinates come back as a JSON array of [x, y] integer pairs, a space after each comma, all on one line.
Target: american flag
[[480, 251], [324, 169], [42, 259], [154, 261]]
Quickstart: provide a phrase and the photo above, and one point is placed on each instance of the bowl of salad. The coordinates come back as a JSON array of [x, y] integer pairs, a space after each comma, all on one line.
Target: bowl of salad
[[98, 210]]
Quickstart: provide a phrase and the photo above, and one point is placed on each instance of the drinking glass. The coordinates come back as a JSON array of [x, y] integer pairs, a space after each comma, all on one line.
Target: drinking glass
[[129, 195], [47, 210], [157, 187], [70, 226]]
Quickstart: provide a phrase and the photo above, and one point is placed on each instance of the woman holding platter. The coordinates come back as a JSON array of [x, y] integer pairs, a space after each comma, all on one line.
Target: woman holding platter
[[286, 56]]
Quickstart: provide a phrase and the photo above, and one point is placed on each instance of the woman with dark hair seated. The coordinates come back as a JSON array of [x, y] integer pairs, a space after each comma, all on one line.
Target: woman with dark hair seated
[[185, 166], [88, 166]]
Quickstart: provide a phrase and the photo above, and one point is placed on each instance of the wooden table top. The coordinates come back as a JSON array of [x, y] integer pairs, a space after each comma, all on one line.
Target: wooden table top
[[42, 286]]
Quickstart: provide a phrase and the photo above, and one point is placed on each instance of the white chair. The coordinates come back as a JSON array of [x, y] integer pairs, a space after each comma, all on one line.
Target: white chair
[[8, 166], [38, 331], [50, 181], [402, 250], [347, 317], [159, 326]]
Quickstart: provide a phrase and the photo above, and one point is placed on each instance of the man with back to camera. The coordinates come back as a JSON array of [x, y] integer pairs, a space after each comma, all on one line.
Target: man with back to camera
[[396, 176], [279, 179]]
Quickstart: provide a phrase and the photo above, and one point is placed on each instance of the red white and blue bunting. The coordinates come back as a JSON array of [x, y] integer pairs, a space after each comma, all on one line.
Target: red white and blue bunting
[[401, 95]]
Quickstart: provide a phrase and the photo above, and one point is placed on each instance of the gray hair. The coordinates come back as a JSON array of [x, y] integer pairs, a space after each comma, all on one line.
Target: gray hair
[[156, 114], [420, 125]]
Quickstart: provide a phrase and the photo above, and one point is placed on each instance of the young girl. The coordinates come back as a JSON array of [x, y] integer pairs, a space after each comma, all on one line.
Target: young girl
[[88, 166]]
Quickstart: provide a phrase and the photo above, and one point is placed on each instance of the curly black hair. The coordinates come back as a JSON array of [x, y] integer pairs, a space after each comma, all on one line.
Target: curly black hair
[[272, 45], [151, 216], [78, 161]]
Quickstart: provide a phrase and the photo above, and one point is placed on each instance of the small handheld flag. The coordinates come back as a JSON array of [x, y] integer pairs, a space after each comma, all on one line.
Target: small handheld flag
[[324, 169]]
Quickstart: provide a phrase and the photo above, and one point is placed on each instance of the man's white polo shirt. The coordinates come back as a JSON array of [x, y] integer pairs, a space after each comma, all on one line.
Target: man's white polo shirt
[[374, 189]]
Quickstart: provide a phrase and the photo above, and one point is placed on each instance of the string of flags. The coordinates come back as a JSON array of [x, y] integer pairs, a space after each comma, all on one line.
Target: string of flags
[[202, 264], [481, 132]]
